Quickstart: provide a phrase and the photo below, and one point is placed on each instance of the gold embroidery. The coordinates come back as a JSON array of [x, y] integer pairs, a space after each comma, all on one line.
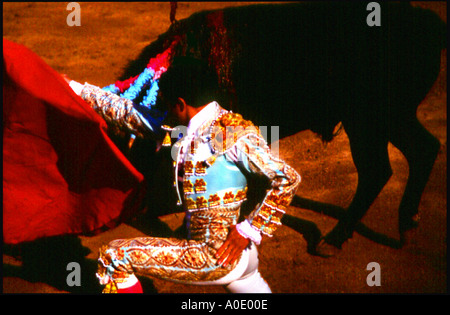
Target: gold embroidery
[[214, 200], [285, 200], [276, 217], [188, 187], [201, 202], [272, 200], [265, 211], [165, 256], [195, 258], [228, 197], [269, 229], [120, 254], [241, 195], [185, 260], [188, 168], [268, 219], [279, 201], [200, 168], [228, 129], [104, 257], [193, 147], [200, 186], [258, 222], [138, 256], [190, 204]]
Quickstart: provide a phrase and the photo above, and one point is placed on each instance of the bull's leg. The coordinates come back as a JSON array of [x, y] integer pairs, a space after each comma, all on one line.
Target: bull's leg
[[420, 149], [370, 156]]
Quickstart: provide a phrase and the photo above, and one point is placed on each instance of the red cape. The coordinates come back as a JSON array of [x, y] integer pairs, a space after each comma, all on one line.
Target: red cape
[[61, 172]]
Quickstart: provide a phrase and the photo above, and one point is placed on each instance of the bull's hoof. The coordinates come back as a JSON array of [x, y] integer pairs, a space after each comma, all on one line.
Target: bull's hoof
[[408, 223], [325, 250], [313, 247], [337, 237], [312, 240]]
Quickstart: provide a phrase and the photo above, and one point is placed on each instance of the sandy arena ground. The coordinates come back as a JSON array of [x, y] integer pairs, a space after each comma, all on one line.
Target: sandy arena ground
[[112, 34]]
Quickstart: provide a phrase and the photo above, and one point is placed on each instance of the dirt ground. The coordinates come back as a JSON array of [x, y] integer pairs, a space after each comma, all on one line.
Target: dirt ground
[[112, 34]]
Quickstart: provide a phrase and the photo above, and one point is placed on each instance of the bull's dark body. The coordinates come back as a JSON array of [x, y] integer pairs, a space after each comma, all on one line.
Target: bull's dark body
[[311, 66]]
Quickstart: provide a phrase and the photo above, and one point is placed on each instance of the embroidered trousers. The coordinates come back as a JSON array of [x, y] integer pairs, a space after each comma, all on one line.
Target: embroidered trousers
[[181, 260]]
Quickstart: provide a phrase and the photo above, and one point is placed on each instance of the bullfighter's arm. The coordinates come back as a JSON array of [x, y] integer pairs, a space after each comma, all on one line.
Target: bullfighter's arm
[[119, 113], [252, 153]]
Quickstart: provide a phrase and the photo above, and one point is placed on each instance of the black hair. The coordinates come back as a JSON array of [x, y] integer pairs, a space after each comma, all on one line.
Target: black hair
[[191, 79]]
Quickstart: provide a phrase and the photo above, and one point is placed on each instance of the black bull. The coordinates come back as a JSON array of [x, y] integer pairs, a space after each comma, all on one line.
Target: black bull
[[311, 66]]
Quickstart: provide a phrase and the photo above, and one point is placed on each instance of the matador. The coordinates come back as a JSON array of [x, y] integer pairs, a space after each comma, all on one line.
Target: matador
[[213, 159]]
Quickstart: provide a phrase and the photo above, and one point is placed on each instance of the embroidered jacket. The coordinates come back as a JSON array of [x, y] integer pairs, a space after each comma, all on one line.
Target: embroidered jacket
[[215, 155], [216, 158]]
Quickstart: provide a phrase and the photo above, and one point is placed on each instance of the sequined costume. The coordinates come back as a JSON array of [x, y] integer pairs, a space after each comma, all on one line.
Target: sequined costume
[[212, 160]]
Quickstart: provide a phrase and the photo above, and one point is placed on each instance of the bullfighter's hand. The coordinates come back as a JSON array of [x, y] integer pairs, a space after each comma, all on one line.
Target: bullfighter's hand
[[231, 249]]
